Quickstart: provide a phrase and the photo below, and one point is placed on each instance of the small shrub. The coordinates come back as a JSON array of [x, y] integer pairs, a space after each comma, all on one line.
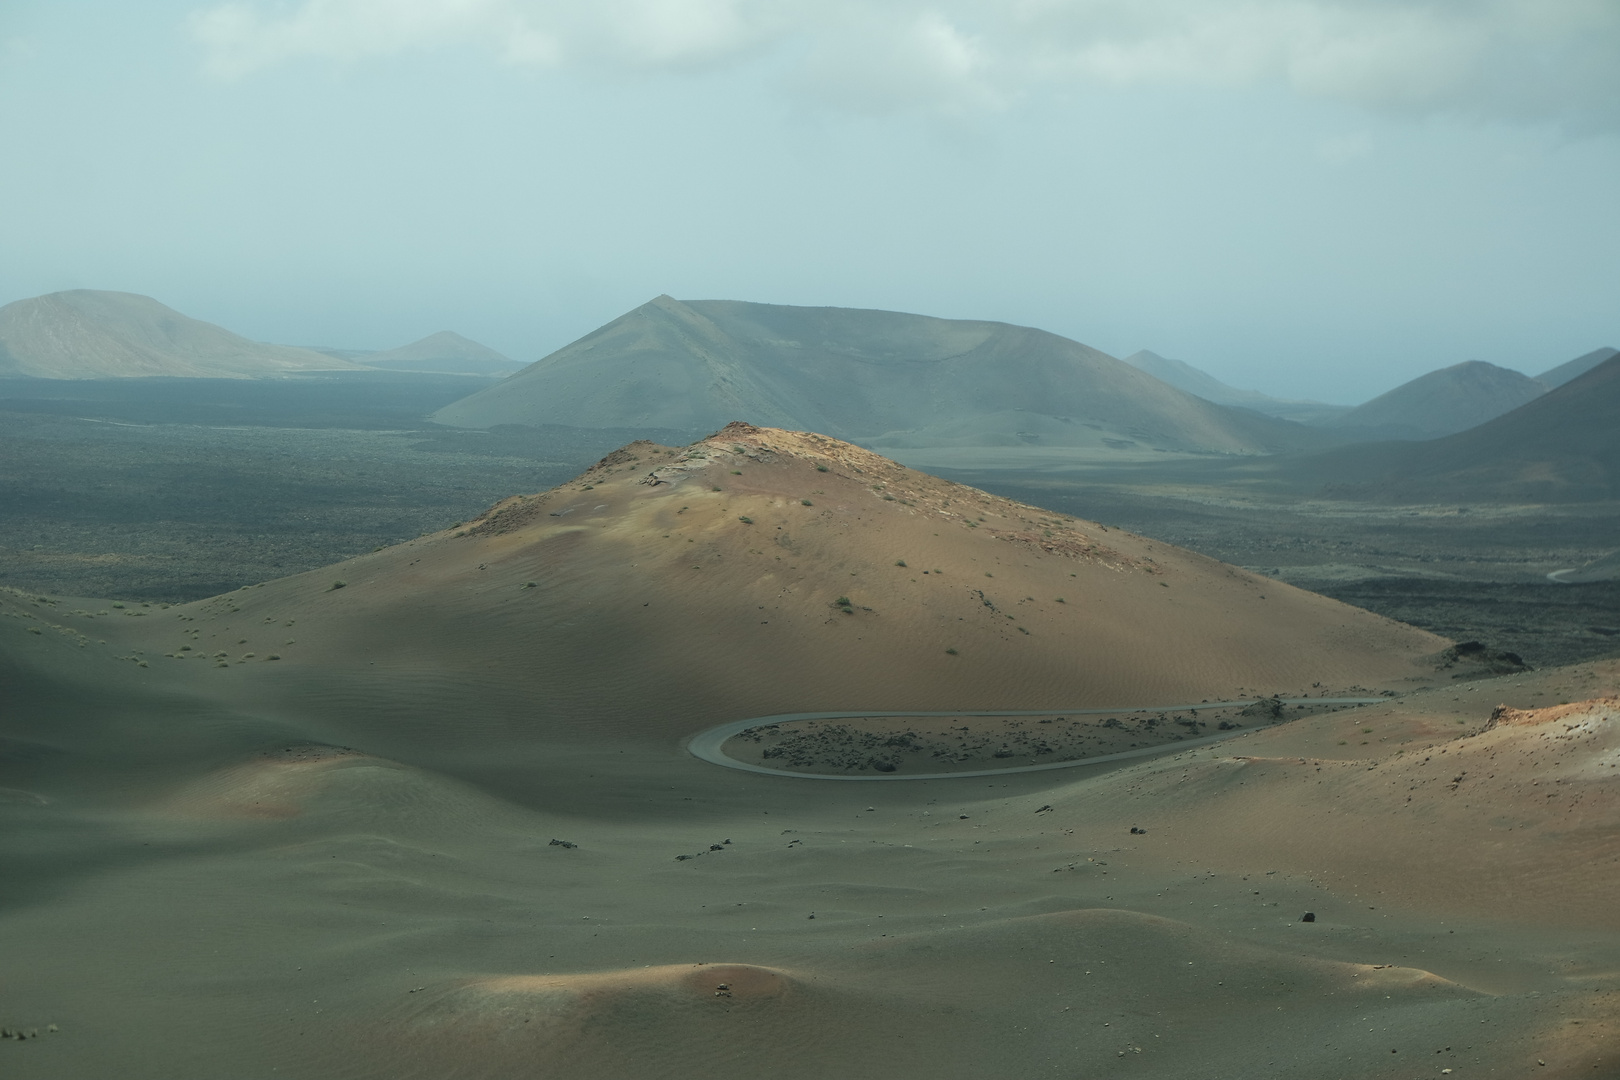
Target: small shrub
[[821, 468], [530, 584], [117, 605], [736, 472], [340, 584], [746, 520], [806, 502], [717, 487], [950, 652], [899, 562], [842, 601]]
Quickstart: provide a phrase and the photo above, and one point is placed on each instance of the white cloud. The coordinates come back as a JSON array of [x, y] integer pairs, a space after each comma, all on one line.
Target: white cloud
[[1532, 60]]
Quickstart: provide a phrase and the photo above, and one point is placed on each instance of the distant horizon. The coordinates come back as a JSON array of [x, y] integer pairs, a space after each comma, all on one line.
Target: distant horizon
[[1121, 356]]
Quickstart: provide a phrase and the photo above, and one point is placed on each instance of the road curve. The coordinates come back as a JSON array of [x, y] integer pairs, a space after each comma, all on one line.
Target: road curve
[[705, 746]]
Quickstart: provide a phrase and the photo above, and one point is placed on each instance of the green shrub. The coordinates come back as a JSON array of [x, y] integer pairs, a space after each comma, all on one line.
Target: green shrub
[[950, 652], [899, 562], [337, 585], [746, 520]]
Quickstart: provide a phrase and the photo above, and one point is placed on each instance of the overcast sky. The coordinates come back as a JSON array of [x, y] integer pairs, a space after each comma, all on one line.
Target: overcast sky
[[1313, 197]]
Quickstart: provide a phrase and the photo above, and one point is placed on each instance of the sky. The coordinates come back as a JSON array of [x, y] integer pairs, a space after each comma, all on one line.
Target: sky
[[1316, 198]]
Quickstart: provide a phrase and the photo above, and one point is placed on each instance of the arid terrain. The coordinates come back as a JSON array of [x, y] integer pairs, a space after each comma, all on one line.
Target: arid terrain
[[427, 812]]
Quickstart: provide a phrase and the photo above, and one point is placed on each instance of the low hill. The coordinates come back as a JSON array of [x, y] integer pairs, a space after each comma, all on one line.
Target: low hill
[[1440, 403], [444, 353], [761, 571], [1183, 376], [1563, 446], [883, 378], [1570, 369], [89, 334]]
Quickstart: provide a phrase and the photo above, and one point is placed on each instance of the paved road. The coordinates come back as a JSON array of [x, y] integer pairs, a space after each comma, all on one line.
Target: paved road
[[706, 745]]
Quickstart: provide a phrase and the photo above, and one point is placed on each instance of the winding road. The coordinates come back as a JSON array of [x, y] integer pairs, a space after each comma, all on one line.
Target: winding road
[[706, 745]]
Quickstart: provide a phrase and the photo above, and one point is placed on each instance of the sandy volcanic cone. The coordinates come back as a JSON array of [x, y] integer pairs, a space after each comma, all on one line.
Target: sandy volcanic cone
[[756, 572]]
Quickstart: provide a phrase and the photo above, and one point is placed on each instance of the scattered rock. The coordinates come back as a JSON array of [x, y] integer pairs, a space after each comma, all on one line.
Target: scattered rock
[[563, 844], [1309, 916], [1138, 832]]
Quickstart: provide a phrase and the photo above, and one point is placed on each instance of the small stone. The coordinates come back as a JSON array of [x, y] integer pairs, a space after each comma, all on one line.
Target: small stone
[[1310, 916]]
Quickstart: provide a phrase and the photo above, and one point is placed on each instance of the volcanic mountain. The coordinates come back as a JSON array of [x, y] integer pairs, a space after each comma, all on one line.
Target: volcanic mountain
[[1571, 369], [761, 571], [87, 334], [444, 353], [1562, 446], [884, 378], [1440, 403]]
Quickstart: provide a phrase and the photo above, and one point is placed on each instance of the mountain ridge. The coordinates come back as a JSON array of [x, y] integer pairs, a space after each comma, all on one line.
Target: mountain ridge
[[97, 334], [877, 377]]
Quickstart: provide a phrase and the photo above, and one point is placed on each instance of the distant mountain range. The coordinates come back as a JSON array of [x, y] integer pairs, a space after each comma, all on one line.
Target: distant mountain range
[[88, 334], [1562, 446], [443, 353], [1183, 376], [1440, 403], [903, 382], [884, 378]]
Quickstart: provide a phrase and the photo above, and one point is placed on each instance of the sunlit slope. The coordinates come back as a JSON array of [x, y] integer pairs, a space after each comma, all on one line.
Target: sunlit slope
[[756, 572], [882, 377], [91, 334]]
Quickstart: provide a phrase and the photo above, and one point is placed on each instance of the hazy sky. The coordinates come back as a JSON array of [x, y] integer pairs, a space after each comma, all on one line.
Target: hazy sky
[[1316, 197]]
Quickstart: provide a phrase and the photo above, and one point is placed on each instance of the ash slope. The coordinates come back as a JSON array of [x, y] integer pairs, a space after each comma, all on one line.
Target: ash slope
[[89, 334], [885, 378], [665, 591]]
